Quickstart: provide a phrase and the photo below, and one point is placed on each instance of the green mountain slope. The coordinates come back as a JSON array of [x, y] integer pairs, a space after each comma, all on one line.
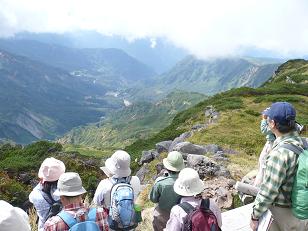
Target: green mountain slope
[[238, 127], [112, 67], [212, 76], [40, 102], [126, 125]]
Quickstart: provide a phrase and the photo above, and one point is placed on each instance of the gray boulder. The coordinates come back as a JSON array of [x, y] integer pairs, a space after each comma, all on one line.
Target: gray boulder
[[212, 148], [186, 135], [148, 156], [175, 142], [142, 173], [163, 146], [187, 147], [198, 127]]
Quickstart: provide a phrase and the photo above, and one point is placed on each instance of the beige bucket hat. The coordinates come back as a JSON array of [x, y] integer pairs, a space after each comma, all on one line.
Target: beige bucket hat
[[118, 165], [51, 169], [13, 218], [188, 183], [174, 161], [69, 184]]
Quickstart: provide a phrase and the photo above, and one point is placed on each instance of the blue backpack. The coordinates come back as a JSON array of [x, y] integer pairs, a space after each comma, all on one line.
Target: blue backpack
[[122, 213], [74, 225]]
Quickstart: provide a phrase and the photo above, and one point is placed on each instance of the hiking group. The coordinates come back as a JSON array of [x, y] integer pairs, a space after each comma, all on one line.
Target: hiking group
[[180, 204]]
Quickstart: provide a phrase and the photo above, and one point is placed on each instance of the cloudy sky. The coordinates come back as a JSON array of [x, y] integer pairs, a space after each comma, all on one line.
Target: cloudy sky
[[206, 28]]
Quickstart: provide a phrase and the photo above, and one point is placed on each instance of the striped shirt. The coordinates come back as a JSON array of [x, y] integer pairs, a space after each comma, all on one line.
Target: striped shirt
[[281, 166], [57, 224]]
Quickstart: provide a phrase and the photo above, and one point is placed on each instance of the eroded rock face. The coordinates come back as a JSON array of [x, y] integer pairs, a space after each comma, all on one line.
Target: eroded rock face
[[205, 167], [221, 190]]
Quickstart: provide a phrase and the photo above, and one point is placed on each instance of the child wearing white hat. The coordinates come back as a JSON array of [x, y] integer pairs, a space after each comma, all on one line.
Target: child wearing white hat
[[42, 196], [13, 218], [190, 187]]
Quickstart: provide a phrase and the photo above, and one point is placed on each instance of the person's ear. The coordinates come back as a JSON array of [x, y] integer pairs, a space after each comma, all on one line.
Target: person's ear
[[271, 123]]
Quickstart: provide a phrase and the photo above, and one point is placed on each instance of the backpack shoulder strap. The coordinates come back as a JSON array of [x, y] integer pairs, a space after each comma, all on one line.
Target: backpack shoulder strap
[[292, 147], [205, 203], [92, 214], [188, 208], [128, 179], [67, 218], [305, 143], [47, 197]]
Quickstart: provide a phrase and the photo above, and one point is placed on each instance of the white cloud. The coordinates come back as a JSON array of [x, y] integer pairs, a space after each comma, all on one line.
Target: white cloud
[[204, 27]]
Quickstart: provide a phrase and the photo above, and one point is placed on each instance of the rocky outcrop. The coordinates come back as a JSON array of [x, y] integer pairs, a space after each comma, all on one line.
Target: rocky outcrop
[[189, 148], [163, 146], [205, 167], [148, 156], [221, 189]]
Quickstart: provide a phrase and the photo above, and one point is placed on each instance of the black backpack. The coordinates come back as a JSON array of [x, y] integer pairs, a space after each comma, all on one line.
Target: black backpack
[[55, 206]]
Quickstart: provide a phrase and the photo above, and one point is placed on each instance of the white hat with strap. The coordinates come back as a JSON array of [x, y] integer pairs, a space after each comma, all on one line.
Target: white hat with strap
[[188, 183]]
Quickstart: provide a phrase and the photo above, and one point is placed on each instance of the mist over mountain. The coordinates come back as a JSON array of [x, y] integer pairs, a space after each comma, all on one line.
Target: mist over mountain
[[110, 66], [159, 54]]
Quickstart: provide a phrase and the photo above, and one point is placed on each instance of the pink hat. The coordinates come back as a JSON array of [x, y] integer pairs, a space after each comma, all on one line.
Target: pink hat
[[51, 169]]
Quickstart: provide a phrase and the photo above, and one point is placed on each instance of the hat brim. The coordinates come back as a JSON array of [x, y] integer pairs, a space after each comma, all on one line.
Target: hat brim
[[70, 194], [188, 192], [116, 172], [171, 168], [106, 171]]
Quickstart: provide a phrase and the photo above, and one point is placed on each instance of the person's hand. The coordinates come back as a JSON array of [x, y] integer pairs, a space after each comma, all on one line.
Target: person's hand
[[254, 225]]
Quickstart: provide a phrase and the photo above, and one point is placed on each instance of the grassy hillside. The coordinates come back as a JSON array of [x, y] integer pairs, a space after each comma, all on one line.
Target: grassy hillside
[[19, 166], [138, 121], [238, 127]]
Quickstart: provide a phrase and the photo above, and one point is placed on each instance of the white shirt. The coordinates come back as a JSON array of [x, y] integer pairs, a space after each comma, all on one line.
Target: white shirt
[[41, 205], [177, 214], [102, 193]]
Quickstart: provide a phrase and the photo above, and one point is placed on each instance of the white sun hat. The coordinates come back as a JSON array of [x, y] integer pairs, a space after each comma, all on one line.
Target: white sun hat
[[174, 161], [51, 169], [118, 165], [13, 218], [188, 183], [69, 184]]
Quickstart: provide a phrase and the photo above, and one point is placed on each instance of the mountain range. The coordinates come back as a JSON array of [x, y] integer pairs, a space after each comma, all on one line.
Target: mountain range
[[48, 89], [217, 75], [112, 67], [38, 101]]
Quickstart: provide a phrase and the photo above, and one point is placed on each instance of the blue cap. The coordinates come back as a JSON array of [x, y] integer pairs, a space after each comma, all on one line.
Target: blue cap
[[282, 112], [265, 112]]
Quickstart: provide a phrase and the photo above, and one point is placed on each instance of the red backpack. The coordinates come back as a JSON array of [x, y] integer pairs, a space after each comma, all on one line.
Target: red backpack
[[200, 218]]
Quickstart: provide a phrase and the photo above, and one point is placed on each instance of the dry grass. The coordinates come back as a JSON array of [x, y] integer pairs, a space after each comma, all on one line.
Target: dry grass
[[33, 219]]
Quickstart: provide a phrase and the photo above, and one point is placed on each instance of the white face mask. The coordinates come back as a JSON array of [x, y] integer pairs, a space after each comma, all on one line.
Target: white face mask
[[271, 123]]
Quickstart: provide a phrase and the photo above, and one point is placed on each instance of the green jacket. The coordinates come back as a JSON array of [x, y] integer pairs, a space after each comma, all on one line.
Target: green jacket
[[281, 165], [163, 193]]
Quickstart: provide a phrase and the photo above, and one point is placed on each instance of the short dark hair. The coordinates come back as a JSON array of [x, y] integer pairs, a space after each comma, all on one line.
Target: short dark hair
[[285, 128]]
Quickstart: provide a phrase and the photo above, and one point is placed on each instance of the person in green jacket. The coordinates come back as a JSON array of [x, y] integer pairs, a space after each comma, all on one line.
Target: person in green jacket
[[162, 192]]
